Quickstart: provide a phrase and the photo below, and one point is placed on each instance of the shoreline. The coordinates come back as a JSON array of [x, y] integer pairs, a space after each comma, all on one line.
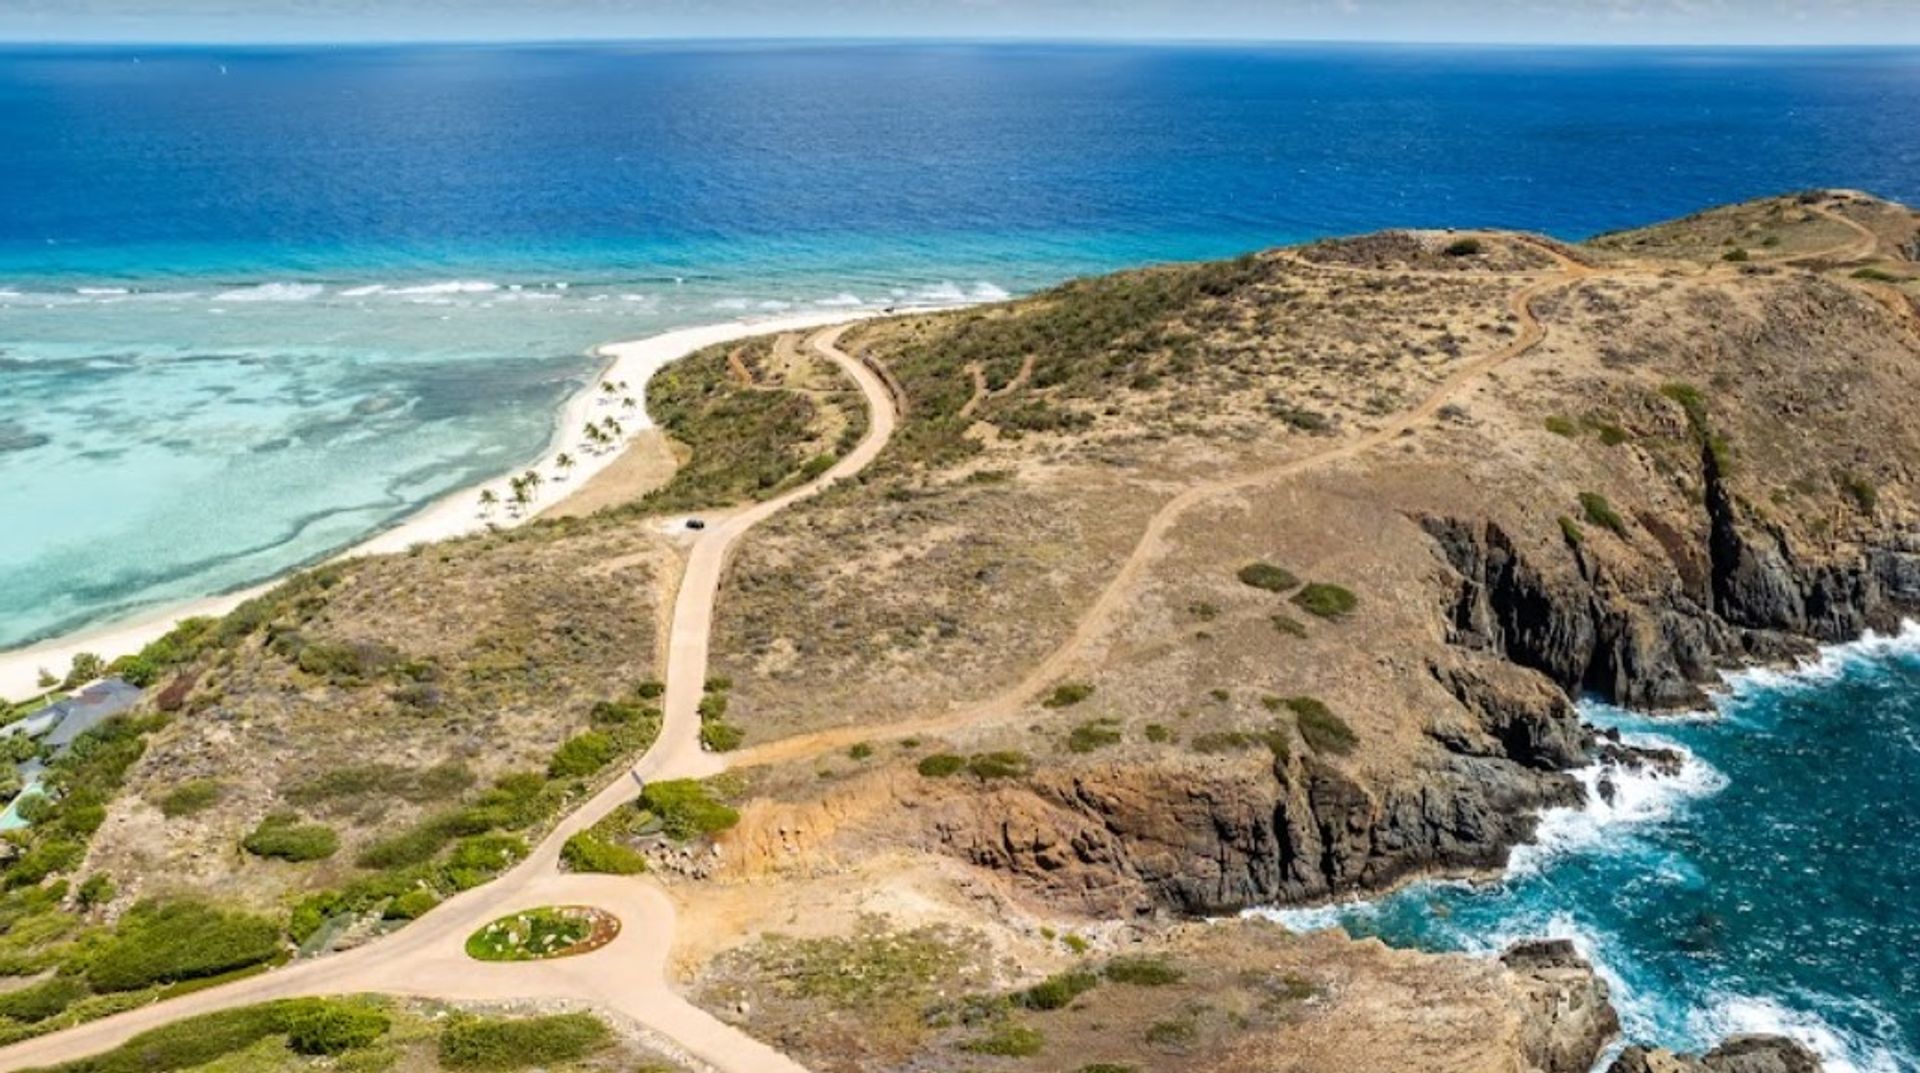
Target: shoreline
[[452, 515]]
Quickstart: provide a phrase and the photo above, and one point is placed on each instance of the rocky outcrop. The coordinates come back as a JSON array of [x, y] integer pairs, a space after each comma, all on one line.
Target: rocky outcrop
[[1741, 1054], [1651, 638], [1569, 1015], [1200, 838]]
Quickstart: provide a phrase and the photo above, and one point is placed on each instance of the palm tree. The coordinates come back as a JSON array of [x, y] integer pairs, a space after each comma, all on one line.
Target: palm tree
[[628, 403], [518, 486], [564, 463], [532, 480], [612, 427], [487, 501]]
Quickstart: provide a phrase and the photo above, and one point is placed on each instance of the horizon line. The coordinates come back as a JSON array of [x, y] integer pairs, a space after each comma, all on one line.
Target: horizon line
[[931, 39]]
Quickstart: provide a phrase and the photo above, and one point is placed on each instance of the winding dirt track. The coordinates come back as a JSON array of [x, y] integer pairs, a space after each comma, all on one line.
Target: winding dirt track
[[629, 975]]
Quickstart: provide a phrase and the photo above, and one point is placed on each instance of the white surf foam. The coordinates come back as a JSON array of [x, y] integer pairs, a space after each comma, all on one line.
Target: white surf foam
[[733, 304], [1639, 798], [452, 286], [272, 292], [363, 292], [843, 300], [1831, 663], [1841, 1052], [96, 292]]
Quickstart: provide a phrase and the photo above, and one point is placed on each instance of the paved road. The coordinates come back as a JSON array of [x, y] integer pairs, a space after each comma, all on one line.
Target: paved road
[[629, 975]]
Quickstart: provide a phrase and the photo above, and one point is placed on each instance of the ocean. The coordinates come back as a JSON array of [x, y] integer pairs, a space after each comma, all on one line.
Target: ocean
[[256, 304], [1774, 886]]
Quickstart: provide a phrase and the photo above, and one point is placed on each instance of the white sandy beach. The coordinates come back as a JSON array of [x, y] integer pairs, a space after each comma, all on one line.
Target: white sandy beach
[[456, 514]]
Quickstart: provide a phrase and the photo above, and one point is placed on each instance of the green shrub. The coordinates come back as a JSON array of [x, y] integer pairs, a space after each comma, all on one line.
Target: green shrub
[[1142, 970], [1861, 490], [941, 765], [1267, 576], [1601, 513], [1571, 530], [1005, 764], [96, 890], [1008, 1041], [719, 737], [1067, 694], [320, 1027], [1464, 247], [582, 754], [487, 1043], [586, 853], [478, 858], [85, 668], [1561, 426], [1087, 737], [1289, 625], [713, 706], [651, 689], [36, 1003], [1320, 728], [1325, 600], [1737, 255], [188, 1043], [1875, 275], [1158, 733], [1107, 1067], [412, 905], [859, 751], [164, 942], [1611, 435], [1692, 403], [687, 809], [282, 835], [1058, 992], [191, 796]]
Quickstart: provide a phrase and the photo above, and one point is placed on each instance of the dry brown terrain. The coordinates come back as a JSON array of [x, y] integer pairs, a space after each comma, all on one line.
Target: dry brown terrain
[[1174, 593]]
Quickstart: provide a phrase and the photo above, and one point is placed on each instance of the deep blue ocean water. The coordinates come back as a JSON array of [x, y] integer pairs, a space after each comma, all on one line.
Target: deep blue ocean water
[[1773, 887], [255, 304]]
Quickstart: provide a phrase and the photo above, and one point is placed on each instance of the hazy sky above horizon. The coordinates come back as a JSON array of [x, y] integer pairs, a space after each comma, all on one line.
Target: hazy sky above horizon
[[1494, 21]]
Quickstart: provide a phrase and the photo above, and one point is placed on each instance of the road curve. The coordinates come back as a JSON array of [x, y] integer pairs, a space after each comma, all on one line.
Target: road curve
[[427, 958]]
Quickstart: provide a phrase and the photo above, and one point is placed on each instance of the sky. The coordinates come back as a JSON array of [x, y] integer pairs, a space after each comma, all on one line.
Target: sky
[[1770, 22]]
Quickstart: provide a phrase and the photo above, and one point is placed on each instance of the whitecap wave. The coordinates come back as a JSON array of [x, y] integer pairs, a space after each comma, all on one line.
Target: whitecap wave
[[452, 286], [1832, 662], [363, 292], [1315, 917], [842, 300], [272, 292], [100, 292], [1840, 1051], [989, 292], [1638, 797], [733, 304]]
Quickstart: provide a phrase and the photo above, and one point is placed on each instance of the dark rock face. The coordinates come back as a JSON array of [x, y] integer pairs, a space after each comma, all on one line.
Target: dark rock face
[[1650, 642], [1204, 839], [1741, 1054], [1572, 1017]]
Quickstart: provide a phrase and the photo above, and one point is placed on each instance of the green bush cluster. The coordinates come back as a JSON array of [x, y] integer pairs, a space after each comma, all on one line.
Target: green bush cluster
[[1267, 576], [1601, 513], [1098, 734], [1057, 992], [584, 852], [166, 942], [498, 1044], [1143, 970], [72, 806], [687, 808], [583, 754], [178, 647], [188, 798], [36, 1003], [282, 835], [1321, 728], [1861, 490], [716, 734], [1326, 600], [1067, 694], [311, 1026], [941, 765]]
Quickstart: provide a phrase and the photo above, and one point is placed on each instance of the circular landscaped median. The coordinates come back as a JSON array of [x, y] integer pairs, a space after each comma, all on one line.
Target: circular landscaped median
[[542, 934]]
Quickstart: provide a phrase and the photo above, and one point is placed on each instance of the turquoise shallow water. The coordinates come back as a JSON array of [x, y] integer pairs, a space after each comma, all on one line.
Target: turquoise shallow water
[[1771, 888], [257, 303]]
